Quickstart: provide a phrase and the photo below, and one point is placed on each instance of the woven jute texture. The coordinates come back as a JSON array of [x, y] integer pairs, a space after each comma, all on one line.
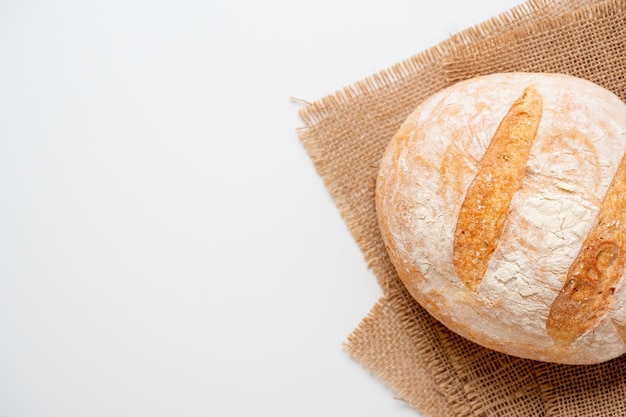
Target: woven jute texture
[[345, 134]]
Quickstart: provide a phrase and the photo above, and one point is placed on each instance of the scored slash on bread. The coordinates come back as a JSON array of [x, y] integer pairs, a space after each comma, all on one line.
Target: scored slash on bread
[[592, 279], [501, 173]]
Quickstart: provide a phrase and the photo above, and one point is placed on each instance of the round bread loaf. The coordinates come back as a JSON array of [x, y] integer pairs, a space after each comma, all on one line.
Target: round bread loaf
[[502, 203]]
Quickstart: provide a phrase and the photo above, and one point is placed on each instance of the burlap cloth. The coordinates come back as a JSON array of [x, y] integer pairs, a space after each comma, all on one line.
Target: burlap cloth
[[434, 370]]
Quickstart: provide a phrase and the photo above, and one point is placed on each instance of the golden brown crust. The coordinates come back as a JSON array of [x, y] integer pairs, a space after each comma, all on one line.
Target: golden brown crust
[[591, 280], [485, 208]]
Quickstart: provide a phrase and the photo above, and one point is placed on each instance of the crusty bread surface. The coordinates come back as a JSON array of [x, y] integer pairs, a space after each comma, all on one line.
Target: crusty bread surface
[[502, 203]]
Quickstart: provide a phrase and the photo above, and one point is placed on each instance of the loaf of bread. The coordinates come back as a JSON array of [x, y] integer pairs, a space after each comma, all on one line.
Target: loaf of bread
[[502, 204]]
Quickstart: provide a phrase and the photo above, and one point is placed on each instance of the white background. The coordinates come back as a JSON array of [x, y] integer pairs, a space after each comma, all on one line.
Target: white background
[[166, 247]]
